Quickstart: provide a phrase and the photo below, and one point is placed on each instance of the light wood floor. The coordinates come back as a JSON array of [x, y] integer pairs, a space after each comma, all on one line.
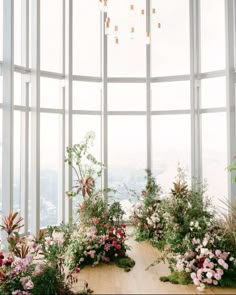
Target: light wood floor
[[109, 279]]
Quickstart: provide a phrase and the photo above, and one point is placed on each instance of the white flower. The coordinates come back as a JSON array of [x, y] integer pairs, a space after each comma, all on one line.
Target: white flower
[[209, 275], [231, 258], [204, 251], [201, 287]]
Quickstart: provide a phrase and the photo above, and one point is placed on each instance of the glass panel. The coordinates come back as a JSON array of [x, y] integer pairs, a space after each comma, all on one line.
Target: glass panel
[[86, 38], [171, 144], [126, 155], [50, 143], [214, 156], [1, 94], [126, 97], [81, 125], [17, 162], [213, 93], [17, 32], [171, 96], [86, 96], [123, 58], [51, 26], [1, 28], [170, 45], [0, 165], [212, 35], [17, 89], [50, 93]]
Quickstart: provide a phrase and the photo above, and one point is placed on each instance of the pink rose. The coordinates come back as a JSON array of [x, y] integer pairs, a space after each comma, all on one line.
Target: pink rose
[[196, 282], [217, 252]]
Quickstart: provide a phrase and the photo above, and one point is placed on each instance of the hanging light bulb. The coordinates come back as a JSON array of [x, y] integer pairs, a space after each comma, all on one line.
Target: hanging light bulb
[[116, 40], [154, 14], [116, 31], [100, 4], [105, 6], [132, 33], [142, 11], [147, 38], [107, 27], [131, 10], [159, 25]]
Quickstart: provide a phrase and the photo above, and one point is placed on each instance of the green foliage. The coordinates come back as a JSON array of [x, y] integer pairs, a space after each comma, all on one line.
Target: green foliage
[[147, 214], [177, 278], [49, 282], [126, 262]]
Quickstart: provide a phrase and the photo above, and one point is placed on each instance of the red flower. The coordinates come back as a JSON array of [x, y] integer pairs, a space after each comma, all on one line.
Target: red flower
[[107, 259], [77, 269], [123, 225]]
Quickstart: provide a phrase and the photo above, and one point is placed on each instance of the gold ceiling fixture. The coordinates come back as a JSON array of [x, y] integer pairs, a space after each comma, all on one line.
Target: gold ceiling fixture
[[133, 12]]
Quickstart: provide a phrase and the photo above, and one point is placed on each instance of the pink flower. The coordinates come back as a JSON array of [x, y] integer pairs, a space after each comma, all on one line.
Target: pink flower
[[220, 271], [211, 265], [217, 277], [107, 259], [221, 262], [95, 220], [92, 253], [29, 285], [217, 252], [225, 265], [196, 282], [107, 247], [215, 282], [209, 281]]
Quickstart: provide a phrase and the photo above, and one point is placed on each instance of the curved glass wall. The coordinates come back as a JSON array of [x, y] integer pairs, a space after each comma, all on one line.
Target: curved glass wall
[[150, 105]]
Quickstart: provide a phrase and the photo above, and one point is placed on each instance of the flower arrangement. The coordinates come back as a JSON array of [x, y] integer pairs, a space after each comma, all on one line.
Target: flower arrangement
[[101, 235], [147, 216], [199, 245], [31, 267]]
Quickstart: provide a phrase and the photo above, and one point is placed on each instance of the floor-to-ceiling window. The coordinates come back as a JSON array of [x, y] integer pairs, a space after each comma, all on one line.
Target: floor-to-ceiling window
[[135, 93]]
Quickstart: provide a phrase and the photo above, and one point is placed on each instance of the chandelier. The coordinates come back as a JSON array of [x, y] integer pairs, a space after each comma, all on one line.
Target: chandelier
[[112, 30]]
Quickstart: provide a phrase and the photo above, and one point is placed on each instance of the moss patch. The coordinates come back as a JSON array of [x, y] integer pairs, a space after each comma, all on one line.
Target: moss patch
[[125, 262]]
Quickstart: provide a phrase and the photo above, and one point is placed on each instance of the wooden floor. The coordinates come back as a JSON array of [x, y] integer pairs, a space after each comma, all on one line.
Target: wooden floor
[[109, 279]]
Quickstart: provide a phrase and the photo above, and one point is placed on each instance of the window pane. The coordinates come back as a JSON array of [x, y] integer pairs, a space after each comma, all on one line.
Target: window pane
[[171, 143], [126, 97], [86, 38], [124, 59], [0, 165], [126, 155], [214, 156], [86, 96], [50, 93], [213, 92], [17, 89], [212, 35], [51, 35], [17, 162], [170, 45], [1, 28], [171, 96], [81, 125], [1, 89], [17, 31], [50, 143]]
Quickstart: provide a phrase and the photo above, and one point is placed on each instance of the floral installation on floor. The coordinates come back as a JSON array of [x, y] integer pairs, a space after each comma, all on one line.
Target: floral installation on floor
[[35, 265], [100, 235], [198, 243], [147, 217]]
